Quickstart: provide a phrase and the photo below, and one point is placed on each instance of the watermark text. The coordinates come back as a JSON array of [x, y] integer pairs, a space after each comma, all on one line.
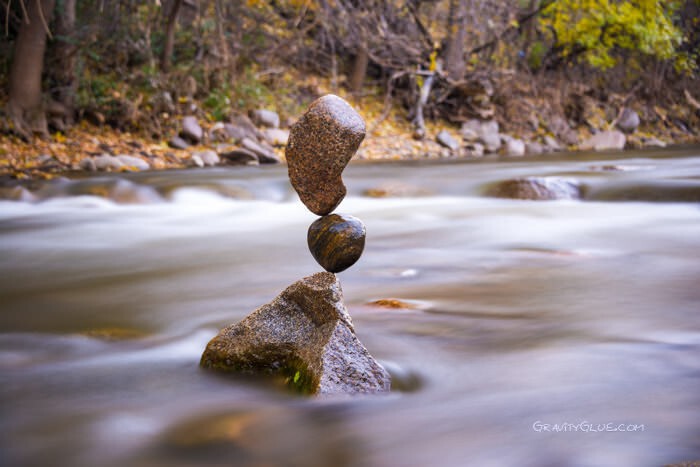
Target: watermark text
[[585, 427]]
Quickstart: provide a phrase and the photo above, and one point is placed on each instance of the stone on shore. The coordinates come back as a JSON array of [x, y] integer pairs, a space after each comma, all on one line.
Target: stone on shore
[[563, 132], [515, 147], [552, 144], [628, 121], [276, 136], [336, 241], [486, 132], [304, 335], [191, 130], [88, 164], [605, 140], [133, 162], [238, 156], [534, 147], [107, 162], [266, 118], [208, 157], [266, 155], [321, 143], [445, 139], [177, 143]]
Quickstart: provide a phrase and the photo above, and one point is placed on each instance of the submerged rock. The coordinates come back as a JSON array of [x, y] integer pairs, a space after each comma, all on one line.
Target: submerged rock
[[320, 145], [306, 335], [536, 188], [396, 189], [336, 241]]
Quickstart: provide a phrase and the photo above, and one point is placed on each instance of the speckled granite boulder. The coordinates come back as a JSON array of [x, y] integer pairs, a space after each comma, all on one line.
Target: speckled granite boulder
[[305, 335], [320, 145]]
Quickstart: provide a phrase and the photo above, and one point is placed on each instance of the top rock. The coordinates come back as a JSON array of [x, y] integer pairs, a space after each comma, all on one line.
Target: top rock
[[320, 145]]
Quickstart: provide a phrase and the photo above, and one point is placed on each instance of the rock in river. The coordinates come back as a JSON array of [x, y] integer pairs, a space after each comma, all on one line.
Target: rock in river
[[536, 188], [336, 241], [306, 335], [320, 145]]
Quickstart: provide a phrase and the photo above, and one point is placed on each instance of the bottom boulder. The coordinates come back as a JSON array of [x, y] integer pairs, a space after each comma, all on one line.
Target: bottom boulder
[[306, 335]]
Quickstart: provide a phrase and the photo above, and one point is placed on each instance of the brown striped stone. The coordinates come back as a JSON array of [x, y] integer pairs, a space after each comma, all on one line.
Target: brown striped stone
[[320, 145], [336, 241]]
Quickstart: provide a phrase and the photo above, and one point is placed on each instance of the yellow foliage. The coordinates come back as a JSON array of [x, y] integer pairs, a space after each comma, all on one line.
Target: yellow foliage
[[597, 27]]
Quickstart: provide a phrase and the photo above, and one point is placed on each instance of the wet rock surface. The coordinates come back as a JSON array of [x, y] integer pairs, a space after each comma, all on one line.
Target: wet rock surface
[[536, 188], [320, 145], [336, 241], [305, 335]]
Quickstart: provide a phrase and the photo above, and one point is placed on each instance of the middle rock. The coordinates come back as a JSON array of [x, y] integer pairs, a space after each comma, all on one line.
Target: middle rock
[[320, 145], [336, 241]]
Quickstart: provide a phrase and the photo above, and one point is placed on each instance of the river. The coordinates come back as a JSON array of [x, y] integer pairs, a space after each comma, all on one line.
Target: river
[[543, 333]]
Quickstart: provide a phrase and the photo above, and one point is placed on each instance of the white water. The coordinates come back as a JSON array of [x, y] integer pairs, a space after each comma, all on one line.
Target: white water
[[530, 313]]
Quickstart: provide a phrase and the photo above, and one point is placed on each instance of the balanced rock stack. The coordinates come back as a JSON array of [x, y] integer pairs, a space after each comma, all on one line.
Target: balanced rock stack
[[305, 334], [320, 145]]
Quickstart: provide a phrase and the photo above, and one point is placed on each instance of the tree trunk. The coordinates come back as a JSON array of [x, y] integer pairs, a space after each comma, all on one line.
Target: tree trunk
[[359, 69], [530, 28], [221, 38], [166, 59], [25, 105], [456, 35], [64, 84]]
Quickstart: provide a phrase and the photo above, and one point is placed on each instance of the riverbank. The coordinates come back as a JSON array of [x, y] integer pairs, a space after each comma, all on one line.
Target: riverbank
[[523, 120]]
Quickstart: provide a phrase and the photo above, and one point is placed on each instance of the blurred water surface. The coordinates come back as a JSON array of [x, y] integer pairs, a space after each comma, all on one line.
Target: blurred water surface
[[542, 332]]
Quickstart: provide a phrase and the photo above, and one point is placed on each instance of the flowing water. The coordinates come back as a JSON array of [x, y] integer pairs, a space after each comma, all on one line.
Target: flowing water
[[542, 333]]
